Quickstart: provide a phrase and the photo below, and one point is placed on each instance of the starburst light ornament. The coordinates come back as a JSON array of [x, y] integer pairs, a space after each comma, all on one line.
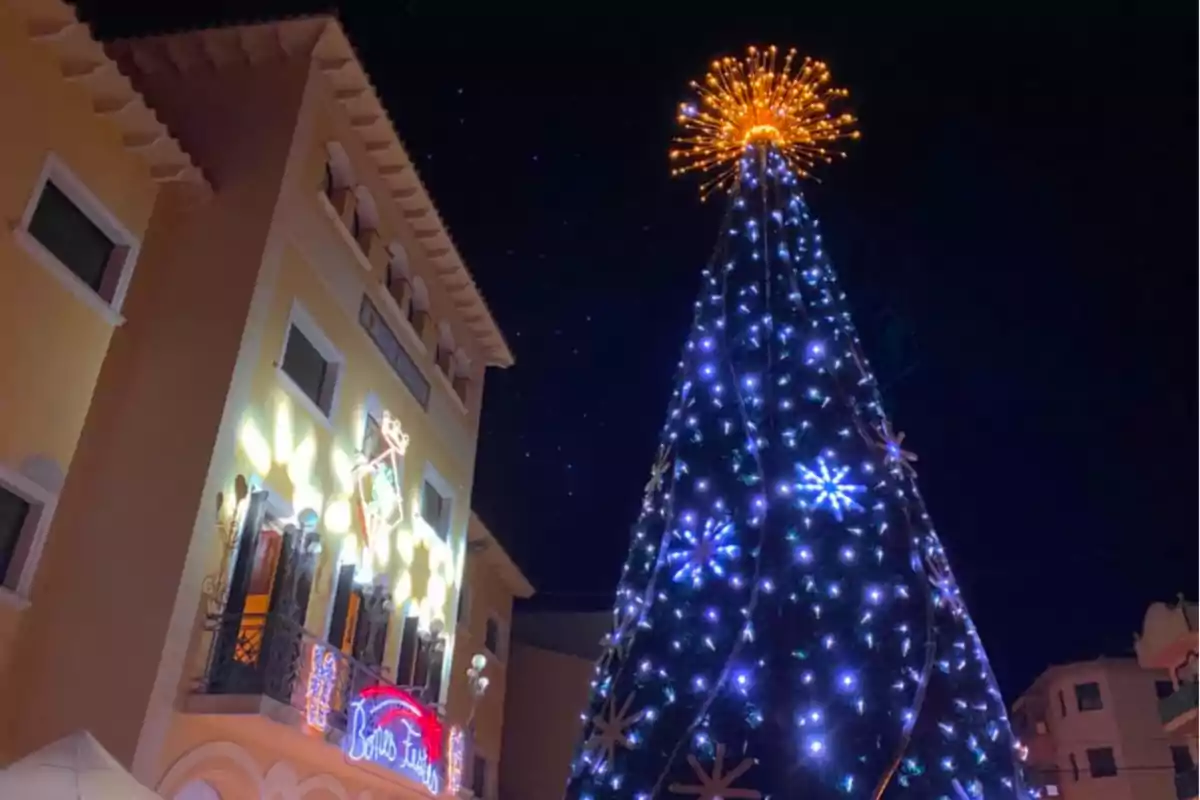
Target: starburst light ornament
[[703, 551], [829, 487], [892, 446], [718, 785], [610, 730], [754, 101]]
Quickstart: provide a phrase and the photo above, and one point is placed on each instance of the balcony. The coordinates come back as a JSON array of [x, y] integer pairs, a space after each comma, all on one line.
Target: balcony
[[267, 666], [1179, 708], [1186, 785]]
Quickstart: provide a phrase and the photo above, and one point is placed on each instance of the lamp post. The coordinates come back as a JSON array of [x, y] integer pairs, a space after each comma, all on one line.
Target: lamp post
[[477, 684]]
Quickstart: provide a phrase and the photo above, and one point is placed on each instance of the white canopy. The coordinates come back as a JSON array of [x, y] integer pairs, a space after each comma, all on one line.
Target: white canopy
[[73, 768]]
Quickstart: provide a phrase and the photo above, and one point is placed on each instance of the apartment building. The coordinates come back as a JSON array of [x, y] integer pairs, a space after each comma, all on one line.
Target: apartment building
[[243, 366], [1093, 732], [484, 628], [553, 663], [1169, 642]]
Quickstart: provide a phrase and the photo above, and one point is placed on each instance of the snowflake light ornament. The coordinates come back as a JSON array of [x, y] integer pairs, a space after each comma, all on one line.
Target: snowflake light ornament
[[829, 488], [894, 454], [659, 471], [616, 643], [610, 731], [718, 785], [703, 551]]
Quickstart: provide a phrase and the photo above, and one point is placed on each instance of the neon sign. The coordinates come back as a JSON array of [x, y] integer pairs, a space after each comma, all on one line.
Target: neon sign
[[391, 729], [454, 761], [322, 675]]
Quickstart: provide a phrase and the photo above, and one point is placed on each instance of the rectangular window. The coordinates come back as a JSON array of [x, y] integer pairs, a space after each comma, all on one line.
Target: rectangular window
[[479, 772], [70, 235], [373, 444], [435, 509], [1163, 689], [393, 352], [493, 639], [313, 372], [343, 618], [463, 599], [1101, 762], [410, 644], [1181, 757], [1087, 697], [14, 514]]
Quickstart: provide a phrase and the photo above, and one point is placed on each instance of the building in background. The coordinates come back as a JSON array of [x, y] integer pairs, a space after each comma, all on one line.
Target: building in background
[[550, 672], [1169, 642], [244, 367], [484, 627], [1093, 732]]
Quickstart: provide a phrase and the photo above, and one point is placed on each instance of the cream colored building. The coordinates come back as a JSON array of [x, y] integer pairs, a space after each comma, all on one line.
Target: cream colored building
[[1093, 732], [243, 368], [1169, 642]]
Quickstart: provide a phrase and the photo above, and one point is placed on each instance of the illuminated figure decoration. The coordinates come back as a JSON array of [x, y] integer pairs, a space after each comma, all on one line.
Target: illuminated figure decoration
[[322, 677], [380, 498], [388, 727], [786, 624], [455, 756]]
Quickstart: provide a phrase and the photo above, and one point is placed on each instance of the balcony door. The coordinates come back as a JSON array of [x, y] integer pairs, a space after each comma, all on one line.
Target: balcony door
[[268, 590]]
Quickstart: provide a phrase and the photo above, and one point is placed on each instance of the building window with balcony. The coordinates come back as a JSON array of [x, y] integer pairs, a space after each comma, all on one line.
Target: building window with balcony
[[71, 234], [435, 509], [310, 365], [1087, 697], [419, 666], [1101, 762]]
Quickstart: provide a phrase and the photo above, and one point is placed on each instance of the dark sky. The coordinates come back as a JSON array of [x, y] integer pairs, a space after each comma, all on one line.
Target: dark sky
[[1016, 232]]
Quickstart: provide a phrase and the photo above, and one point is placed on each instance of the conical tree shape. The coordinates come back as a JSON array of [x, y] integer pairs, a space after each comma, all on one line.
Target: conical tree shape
[[786, 624]]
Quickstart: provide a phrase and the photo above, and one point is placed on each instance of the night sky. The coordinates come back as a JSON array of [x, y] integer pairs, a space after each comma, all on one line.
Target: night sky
[[1016, 232]]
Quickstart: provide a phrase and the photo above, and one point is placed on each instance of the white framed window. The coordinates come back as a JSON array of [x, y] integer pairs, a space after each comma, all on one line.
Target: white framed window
[[309, 366], [69, 232], [437, 502], [25, 512]]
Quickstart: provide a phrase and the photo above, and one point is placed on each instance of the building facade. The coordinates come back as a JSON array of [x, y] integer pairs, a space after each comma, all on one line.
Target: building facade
[[1169, 642], [237, 474], [1093, 732], [484, 628], [552, 666]]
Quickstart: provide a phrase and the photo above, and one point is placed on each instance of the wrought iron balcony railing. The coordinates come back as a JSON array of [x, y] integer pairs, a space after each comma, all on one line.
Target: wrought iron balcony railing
[[272, 656], [1173, 708]]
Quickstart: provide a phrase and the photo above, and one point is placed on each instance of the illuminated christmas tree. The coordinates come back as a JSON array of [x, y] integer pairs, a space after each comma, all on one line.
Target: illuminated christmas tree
[[786, 624]]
